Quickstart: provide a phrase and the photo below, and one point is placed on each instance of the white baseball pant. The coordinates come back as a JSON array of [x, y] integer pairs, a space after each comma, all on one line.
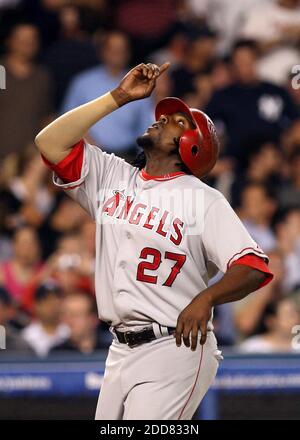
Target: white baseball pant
[[156, 380]]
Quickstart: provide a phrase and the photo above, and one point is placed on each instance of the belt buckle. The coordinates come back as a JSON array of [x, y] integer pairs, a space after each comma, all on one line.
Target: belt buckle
[[127, 339]]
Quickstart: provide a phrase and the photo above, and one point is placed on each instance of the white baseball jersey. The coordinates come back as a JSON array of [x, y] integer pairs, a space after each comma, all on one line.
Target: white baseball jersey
[[158, 240]]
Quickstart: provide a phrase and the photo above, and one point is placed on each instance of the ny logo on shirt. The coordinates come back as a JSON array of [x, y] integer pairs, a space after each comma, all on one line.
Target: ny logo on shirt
[[270, 107]]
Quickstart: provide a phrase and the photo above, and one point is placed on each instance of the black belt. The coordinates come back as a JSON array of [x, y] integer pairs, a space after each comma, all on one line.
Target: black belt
[[133, 338]]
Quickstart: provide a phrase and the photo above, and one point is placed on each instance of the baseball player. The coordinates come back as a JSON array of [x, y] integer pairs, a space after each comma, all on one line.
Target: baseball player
[[161, 233]]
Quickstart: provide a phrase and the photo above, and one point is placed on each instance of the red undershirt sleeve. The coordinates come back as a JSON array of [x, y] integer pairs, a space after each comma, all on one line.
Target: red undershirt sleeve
[[255, 262], [69, 168]]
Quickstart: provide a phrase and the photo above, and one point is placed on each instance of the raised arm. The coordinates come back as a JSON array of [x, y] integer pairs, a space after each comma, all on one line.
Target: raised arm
[[56, 140]]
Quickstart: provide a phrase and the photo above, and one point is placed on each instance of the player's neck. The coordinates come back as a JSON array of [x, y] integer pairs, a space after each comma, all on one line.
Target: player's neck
[[158, 166], [157, 170]]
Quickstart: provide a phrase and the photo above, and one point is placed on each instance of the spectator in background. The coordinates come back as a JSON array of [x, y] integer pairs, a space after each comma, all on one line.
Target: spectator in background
[[68, 273], [203, 90], [71, 266], [264, 167], [80, 314], [26, 103], [46, 329], [96, 15], [275, 26], [174, 51], [217, 77], [289, 195], [13, 340], [252, 111], [290, 139], [147, 23], [199, 57], [225, 17], [250, 312], [256, 211], [206, 82], [288, 236], [280, 318], [67, 217], [132, 120], [25, 264], [77, 252], [221, 73], [71, 53], [44, 14], [26, 198]]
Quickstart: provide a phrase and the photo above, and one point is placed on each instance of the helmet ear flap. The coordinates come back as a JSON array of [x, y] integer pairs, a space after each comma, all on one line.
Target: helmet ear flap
[[190, 147]]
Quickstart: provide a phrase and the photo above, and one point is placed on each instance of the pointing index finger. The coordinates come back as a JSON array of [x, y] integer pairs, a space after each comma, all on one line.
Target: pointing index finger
[[163, 68]]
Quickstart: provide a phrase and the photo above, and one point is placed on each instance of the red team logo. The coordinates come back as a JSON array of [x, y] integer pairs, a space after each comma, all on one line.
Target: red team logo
[[162, 222]]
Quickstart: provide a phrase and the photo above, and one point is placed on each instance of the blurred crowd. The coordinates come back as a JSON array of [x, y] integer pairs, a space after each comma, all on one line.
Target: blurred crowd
[[237, 60]]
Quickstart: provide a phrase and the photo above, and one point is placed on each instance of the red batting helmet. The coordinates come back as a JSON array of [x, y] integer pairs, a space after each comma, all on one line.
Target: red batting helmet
[[198, 147]]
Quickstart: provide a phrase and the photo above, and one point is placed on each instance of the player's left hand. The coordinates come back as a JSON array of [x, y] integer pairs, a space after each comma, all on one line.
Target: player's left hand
[[192, 319]]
